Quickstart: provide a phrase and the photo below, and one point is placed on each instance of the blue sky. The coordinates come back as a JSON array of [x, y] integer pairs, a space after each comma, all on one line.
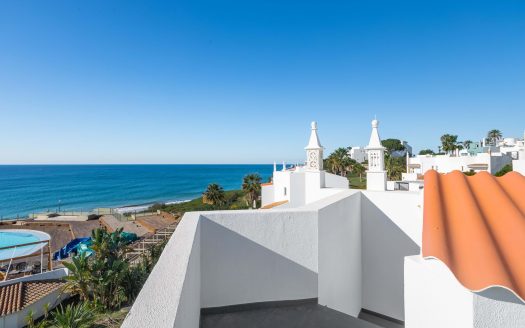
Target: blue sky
[[239, 81]]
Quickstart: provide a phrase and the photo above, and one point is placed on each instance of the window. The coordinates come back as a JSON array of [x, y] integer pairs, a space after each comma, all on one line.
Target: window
[[285, 191]]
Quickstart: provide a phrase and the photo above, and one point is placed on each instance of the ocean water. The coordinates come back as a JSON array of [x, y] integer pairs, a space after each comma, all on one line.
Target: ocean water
[[26, 189]]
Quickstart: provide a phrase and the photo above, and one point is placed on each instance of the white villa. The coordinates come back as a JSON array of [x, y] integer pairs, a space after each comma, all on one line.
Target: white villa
[[484, 157], [323, 255], [358, 154]]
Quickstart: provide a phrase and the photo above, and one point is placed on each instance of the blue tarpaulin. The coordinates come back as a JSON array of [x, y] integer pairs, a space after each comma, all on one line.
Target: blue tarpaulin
[[70, 247]]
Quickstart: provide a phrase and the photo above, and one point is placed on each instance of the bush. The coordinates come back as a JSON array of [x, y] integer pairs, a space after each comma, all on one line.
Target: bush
[[506, 169], [53, 215]]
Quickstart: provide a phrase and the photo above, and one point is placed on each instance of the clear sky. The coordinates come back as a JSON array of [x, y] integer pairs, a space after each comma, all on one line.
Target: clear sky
[[239, 81]]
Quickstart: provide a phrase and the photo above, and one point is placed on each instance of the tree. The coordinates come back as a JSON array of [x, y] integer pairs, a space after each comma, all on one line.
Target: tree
[[214, 194], [359, 170], [79, 278], [394, 166], [467, 144], [494, 135], [339, 162], [392, 145], [426, 152], [251, 185], [449, 142]]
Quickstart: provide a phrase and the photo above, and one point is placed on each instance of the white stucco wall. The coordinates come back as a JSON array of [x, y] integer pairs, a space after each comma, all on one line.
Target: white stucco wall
[[267, 196], [340, 281], [433, 296], [391, 230], [498, 308], [258, 256], [519, 166], [335, 181], [171, 295]]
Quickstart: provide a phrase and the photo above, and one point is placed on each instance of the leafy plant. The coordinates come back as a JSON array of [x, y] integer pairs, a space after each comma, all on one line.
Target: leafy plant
[[506, 169], [74, 316]]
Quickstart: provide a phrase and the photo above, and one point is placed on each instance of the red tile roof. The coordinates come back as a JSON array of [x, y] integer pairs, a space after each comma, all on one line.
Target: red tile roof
[[476, 226], [17, 296]]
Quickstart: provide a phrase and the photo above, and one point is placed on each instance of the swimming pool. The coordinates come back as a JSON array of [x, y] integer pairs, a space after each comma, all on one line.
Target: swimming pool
[[13, 237]]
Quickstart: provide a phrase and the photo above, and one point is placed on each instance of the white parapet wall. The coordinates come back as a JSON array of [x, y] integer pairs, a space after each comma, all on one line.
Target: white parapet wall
[[258, 256], [340, 270], [171, 295], [434, 299], [391, 230], [225, 258]]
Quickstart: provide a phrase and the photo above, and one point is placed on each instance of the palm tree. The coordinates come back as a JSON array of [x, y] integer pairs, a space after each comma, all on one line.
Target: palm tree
[[79, 278], [467, 144], [339, 162], [214, 194], [251, 185], [449, 142], [494, 135], [394, 167]]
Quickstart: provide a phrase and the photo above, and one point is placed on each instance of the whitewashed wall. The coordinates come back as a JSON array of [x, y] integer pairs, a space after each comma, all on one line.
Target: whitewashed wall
[[335, 181], [340, 280], [267, 196], [434, 298], [389, 233], [171, 295], [519, 166], [258, 256]]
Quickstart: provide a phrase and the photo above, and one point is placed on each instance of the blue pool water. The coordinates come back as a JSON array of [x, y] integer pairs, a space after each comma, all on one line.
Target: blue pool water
[[26, 189], [8, 238], [13, 238]]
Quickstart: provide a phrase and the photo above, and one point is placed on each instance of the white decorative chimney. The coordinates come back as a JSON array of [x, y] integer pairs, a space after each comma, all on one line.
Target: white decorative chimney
[[314, 151], [376, 174]]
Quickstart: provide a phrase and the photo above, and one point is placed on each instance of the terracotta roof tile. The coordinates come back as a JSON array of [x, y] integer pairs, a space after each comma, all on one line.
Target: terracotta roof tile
[[476, 226], [275, 204], [17, 296]]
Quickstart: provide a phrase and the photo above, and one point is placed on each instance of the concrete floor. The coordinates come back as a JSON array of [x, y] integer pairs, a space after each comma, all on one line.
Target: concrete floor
[[308, 315]]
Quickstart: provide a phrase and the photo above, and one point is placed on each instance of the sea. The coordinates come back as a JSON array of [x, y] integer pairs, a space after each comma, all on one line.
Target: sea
[[27, 189]]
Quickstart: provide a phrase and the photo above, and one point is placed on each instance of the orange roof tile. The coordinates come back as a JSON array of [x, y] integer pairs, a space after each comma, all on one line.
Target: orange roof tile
[[17, 296], [272, 205], [476, 226], [267, 184]]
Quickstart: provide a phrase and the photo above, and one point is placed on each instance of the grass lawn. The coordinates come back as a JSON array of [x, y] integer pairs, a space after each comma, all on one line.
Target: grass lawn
[[355, 183]]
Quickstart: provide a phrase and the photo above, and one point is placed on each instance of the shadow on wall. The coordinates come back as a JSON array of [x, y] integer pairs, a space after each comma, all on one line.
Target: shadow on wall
[[236, 270], [384, 247]]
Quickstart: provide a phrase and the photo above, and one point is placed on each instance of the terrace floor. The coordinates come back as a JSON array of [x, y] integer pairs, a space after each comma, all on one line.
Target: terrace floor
[[307, 315]]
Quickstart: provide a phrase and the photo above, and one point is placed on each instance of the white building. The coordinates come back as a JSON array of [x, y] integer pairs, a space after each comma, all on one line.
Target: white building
[[478, 158], [398, 258], [490, 162], [301, 185], [358, 154]]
